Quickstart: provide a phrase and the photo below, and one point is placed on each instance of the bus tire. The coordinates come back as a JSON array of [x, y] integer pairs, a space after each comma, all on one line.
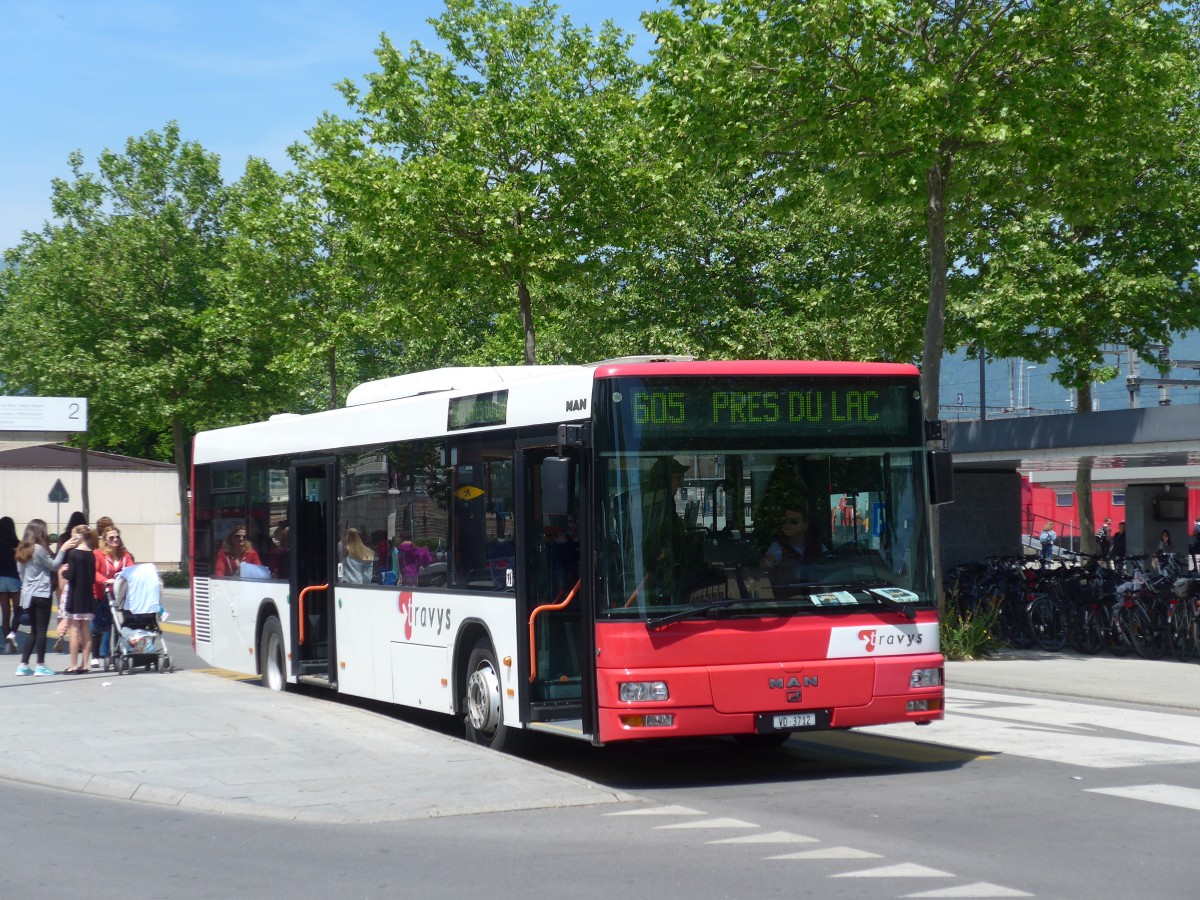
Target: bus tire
[[272, 658], [483, 703]]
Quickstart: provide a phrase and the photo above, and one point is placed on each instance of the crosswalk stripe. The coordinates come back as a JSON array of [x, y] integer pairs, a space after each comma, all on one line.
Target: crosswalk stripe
[[1166, 794], [710, 823], [900, 870], [829, 853], [772, 837], [979, 890], [659, 811]]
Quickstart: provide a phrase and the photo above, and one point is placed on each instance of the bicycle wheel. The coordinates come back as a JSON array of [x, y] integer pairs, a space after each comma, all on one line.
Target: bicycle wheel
[[1183, 632], [1087, 631], [1020, 635], [1047, 623], [1139, 631]]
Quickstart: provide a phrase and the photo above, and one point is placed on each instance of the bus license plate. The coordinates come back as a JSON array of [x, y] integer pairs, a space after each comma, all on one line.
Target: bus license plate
[[794, 720], [808, 720]]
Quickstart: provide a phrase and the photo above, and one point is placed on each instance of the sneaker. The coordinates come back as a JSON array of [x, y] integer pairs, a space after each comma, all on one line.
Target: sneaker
[[43, 670], [95, 663], [24, 670], [12, 642]]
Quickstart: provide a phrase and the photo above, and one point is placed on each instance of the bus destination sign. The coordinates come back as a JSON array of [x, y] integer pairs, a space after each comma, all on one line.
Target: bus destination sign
[[760, 405]]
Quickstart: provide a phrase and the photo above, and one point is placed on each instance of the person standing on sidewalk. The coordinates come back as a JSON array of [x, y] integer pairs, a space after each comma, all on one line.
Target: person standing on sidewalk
[[111, 558], [37, 569], [81, 578], [10, 583]]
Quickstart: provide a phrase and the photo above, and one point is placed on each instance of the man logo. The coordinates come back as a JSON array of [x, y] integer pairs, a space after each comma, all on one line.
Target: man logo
[[792, 685], [577, 405]]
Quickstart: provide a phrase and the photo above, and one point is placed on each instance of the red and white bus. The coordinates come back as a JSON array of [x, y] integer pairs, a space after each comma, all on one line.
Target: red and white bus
[[633, 549]]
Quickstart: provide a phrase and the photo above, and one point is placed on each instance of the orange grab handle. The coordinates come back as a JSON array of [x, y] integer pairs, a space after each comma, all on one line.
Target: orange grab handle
[[300, 604], [547, 607]]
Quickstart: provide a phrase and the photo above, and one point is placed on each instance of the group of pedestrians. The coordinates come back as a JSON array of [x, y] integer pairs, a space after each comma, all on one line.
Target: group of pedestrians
[[79, 572]]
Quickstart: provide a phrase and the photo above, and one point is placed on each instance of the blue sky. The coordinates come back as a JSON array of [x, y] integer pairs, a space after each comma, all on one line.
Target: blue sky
[[242, 78]]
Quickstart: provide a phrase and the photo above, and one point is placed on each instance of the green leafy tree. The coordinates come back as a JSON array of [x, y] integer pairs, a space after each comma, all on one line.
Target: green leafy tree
[[485, 174], [292, 272], [945, 107], [112, 301]]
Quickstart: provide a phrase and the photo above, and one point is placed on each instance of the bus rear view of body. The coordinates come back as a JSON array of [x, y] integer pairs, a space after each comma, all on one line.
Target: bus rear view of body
[[630, 550]]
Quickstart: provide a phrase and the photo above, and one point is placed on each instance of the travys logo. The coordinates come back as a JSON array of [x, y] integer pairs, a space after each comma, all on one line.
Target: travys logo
[[882, 640], [435, 618], [871, 638], [406, 610]]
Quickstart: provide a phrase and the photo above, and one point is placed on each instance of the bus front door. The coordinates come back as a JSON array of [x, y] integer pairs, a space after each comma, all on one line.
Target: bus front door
[[313, 541], [554, 606]]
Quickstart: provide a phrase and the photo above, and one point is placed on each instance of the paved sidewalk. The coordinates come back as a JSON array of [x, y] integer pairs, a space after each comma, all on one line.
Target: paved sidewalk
[[201, 742], [1130, 680]]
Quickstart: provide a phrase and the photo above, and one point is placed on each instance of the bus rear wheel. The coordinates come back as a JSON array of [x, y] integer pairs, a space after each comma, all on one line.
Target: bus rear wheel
[[484, 701], [271, 656]]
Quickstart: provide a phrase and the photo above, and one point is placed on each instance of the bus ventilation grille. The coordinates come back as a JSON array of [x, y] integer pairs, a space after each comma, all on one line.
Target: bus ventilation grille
[[201, 619]]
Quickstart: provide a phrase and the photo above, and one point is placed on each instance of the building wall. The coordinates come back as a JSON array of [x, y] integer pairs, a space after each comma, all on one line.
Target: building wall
[[984, 519], [143, 503]]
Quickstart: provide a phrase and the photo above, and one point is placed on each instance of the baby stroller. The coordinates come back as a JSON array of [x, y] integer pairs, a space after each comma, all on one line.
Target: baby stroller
[[135, 597]]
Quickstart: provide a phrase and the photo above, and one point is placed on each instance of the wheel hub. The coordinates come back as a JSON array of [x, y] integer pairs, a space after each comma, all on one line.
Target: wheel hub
[[483, 699]]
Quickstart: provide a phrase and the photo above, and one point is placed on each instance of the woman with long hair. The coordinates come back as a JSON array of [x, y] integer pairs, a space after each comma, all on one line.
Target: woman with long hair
[[111, 558], [60, 582], [79, 604], [235, 550], [359, 563], [37, 569], [10, 582]]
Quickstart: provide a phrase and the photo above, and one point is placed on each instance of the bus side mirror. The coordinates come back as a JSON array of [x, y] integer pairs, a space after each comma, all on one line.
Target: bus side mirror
[[556, 486], [941, 476]]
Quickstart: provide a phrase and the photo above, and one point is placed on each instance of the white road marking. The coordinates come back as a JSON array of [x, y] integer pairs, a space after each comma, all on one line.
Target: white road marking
[[829, 853], [771, 837], [1166, 794], [709, 823], [659, 811], [1078, 734], [900, 870], [979, 889]]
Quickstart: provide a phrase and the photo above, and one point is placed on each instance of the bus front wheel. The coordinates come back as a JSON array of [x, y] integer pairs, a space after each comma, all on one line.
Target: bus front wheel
[[272, 659], [484, 703]]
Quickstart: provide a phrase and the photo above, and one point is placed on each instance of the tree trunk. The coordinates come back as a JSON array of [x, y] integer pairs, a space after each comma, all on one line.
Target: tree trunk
[[935, 316], [935, 331], [84, 502], [1083, 485], [527, 322], [183, 473], [332, 369]]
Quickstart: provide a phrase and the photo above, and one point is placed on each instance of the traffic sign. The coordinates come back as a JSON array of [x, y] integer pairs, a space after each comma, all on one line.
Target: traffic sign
[[58, 493]]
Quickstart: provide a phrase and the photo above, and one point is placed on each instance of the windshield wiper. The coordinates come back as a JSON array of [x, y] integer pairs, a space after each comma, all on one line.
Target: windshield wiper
[[659, 622]]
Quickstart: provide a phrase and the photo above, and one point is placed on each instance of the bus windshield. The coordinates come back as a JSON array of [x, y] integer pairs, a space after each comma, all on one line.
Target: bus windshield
[[749, 497]]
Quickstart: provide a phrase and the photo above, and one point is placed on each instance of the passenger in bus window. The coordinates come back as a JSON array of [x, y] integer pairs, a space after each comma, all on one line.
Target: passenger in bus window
[[279, 561], [409, 559], [234, 551], [359, 564]]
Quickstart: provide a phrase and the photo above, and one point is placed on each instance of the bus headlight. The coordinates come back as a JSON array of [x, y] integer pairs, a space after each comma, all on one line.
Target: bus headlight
[[923, 678], [643, 691]]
